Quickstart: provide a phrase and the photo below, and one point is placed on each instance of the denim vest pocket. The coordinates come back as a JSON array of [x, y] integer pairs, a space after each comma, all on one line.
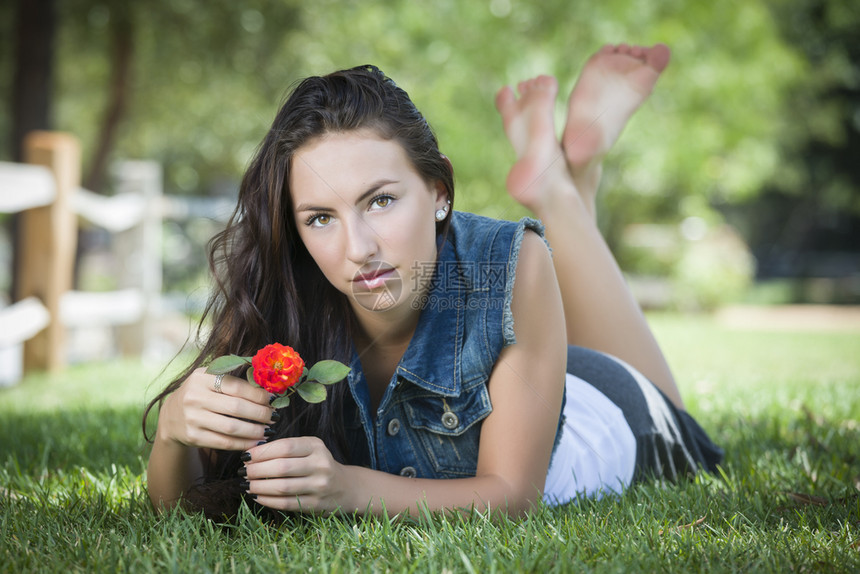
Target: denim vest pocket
[[449, 428]]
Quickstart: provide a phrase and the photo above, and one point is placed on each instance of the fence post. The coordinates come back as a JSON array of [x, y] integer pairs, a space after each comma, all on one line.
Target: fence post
[[48, 239], [139, 251]]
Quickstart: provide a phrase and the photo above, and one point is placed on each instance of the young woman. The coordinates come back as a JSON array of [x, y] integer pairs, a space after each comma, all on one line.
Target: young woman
[[483, 367]]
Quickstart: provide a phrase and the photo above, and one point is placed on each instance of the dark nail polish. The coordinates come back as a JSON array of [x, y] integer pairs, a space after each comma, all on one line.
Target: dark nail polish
[[261, 442], [246, 456], [272, 399], [242, 472], [244, 485], [276, 416], [269, 432], [252, 496]]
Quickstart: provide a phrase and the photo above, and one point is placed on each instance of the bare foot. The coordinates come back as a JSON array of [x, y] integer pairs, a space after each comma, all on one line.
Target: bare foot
[[613, 84], [530, 127]]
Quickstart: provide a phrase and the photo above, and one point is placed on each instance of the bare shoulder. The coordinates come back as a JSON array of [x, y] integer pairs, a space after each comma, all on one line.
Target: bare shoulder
[[533, 250], [536, 291]]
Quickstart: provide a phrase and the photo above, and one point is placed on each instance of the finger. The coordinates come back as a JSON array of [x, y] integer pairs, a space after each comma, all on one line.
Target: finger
[[229, 406], [295, 447], [234, 386], [241, 408], [284, 487], [241, 388], [279, 468], [232, 427], [237, 398], [205, 438]]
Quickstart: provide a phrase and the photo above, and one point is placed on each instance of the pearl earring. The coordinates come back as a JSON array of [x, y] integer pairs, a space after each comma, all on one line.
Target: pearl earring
[[441, 213]]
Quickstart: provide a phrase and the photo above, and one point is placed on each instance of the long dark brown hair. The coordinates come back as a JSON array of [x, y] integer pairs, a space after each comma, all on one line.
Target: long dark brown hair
[[267, 287]]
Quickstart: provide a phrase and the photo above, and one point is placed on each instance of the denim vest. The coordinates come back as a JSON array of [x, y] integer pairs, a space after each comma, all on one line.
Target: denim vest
[[428, 422]]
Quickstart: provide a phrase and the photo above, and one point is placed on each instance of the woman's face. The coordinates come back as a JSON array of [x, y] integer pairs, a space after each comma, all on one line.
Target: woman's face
[[366, 217]]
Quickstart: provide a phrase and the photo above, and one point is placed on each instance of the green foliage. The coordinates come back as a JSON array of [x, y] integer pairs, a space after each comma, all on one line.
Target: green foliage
[[227, 364], [785, 405], [206, 80], [328, 372], [754, 90], [282, 401], [712, 271], [208, 77], [821, 142], [311, 392]]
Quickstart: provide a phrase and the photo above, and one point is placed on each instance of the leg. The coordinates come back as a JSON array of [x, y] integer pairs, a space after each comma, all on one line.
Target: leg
[[600, 311], [614, 83]]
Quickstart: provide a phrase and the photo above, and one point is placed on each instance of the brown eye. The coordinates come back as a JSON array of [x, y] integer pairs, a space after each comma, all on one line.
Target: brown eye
[[381, 201], [320, 220]]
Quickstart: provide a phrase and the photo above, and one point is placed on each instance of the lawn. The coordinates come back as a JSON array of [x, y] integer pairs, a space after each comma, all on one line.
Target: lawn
[[785, 405]]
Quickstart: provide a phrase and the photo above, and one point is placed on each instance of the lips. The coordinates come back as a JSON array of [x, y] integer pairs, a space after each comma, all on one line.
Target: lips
[[373, 277]]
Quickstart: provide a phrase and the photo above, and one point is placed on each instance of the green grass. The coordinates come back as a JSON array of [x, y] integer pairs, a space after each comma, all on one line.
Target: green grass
[[786, 407]]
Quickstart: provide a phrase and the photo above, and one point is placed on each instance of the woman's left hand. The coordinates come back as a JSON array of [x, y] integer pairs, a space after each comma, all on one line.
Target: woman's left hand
[[296, 474]]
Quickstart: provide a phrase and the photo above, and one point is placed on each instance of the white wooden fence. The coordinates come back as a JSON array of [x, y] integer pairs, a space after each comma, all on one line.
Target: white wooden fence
[[46, 192]]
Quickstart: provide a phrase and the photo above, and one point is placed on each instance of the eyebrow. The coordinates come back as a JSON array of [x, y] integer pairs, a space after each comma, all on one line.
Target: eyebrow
[[370, 191]]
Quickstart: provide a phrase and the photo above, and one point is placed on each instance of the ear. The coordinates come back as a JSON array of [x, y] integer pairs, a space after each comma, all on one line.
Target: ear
[[447, 162], [442, 199]]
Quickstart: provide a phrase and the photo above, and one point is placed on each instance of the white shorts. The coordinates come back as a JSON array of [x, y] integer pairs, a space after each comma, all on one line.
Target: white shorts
[[596, 453]]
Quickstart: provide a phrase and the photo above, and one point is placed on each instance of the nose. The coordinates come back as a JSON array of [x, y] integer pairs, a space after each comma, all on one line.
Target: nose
[[362, 242]]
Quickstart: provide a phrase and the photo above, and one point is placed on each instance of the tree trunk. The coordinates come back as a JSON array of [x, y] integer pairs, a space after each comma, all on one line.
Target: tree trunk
[[32, 88], [122, 44], [33, 83]]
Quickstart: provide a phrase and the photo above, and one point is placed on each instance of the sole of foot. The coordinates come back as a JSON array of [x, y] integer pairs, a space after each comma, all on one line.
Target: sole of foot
[[613, 84], [530, 126]]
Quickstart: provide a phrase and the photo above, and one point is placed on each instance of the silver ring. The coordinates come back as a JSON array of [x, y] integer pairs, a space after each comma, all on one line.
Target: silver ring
[[217, 384]]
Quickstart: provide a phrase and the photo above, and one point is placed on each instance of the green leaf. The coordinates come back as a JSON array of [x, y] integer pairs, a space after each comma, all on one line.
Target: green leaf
[[281, 401], [226, 364], [304, 374], [328, 372], [312, 392], [249, 374]]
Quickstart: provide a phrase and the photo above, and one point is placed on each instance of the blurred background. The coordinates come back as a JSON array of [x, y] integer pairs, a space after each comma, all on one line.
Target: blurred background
[[738, 182]]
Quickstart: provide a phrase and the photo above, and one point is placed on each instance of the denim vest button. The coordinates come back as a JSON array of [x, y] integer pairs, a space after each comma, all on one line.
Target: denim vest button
[[450, 421], [393, 427], [408, 472]]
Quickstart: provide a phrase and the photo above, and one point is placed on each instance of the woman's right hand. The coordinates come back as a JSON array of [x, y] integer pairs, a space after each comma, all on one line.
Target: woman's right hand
[[197, 415]]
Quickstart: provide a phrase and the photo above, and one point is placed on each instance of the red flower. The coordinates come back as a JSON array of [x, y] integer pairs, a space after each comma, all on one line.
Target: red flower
[[277, 368]]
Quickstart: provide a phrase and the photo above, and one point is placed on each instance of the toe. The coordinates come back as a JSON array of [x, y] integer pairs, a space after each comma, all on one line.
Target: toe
[[546, 82], [658, 56], [505, 100], [531, 85]]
